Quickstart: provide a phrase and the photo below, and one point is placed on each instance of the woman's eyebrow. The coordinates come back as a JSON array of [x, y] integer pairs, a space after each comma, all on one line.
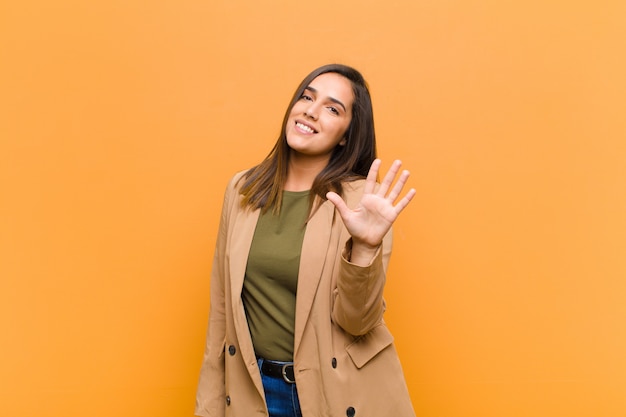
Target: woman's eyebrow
[[334, 100]]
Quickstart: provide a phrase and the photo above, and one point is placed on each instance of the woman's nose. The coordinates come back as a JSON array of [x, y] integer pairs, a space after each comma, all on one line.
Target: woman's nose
[[311, 112]]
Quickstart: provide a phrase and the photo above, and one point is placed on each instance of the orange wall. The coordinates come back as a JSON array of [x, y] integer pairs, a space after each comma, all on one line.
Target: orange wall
[[121, 121]]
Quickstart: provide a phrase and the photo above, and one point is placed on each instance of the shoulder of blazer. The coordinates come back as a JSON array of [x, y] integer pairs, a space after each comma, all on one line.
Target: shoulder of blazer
[[355, 185], [232, 189], [235, 181], [352, 192]]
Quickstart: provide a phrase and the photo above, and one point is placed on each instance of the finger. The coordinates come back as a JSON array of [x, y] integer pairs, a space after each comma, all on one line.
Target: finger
[[389, 177], [341, 206], [397, 189], [405, 201], [372, 175]]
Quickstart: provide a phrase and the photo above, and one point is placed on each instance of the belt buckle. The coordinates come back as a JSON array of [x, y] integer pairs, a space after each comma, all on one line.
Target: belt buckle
[[284, 373]]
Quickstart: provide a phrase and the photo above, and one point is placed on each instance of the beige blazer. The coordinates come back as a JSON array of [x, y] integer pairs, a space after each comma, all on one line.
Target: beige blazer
[[345, 362]]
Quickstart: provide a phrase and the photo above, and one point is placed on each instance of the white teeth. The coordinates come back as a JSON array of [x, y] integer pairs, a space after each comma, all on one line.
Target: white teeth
[[305, 128]]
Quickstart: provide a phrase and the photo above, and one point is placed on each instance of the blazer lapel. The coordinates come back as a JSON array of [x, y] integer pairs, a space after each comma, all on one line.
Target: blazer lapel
[[241, 239], [312, 260]]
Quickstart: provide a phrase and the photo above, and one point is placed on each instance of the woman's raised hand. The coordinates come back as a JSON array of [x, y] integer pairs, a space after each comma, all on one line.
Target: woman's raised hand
[[370, 221]]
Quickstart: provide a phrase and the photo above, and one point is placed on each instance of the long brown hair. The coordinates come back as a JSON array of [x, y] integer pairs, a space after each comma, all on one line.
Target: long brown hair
[[263, 184]]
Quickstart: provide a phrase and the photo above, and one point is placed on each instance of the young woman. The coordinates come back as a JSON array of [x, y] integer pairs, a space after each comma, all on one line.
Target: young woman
[[296, 321]]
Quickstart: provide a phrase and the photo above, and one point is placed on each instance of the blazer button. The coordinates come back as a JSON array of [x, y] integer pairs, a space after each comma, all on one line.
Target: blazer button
[[232, 350], [228, 400], [334, 362], [350, 412]]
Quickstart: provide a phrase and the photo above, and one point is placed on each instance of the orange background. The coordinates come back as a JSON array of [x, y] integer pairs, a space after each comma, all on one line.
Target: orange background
[[121, 121]]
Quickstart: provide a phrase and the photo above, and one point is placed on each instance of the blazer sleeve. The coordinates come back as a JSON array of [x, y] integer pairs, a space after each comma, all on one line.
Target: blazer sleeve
[[210, 395], [359, 303]]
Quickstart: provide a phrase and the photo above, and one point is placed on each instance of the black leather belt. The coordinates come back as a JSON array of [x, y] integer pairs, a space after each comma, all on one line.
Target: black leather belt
[[279, 370]]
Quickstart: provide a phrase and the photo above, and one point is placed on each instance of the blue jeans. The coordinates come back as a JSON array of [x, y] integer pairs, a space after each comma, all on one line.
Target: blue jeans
[[281, 397]]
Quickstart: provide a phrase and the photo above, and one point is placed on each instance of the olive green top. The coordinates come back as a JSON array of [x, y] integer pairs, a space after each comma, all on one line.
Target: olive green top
[[271, 281]]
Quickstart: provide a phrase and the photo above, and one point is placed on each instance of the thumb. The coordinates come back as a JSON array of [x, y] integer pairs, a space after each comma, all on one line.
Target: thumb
[[341, 206]]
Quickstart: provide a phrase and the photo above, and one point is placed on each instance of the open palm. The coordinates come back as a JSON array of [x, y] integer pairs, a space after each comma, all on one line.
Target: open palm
[[372, 218]]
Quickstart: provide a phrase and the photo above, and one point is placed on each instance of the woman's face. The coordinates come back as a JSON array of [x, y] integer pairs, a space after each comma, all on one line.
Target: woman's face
[[319, 120]]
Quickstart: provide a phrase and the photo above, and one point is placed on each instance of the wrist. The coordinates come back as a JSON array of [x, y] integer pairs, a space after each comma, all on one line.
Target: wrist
[[361, 253]]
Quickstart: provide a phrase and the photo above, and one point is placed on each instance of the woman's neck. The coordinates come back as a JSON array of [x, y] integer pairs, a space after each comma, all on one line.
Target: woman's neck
[[301, 172]]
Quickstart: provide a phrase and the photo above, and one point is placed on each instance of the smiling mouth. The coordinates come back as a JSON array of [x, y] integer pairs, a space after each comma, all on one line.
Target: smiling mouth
[[305, 128]]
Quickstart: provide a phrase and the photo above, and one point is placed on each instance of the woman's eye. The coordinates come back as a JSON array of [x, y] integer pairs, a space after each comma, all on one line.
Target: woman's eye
[[333, 110], [305, 97]]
